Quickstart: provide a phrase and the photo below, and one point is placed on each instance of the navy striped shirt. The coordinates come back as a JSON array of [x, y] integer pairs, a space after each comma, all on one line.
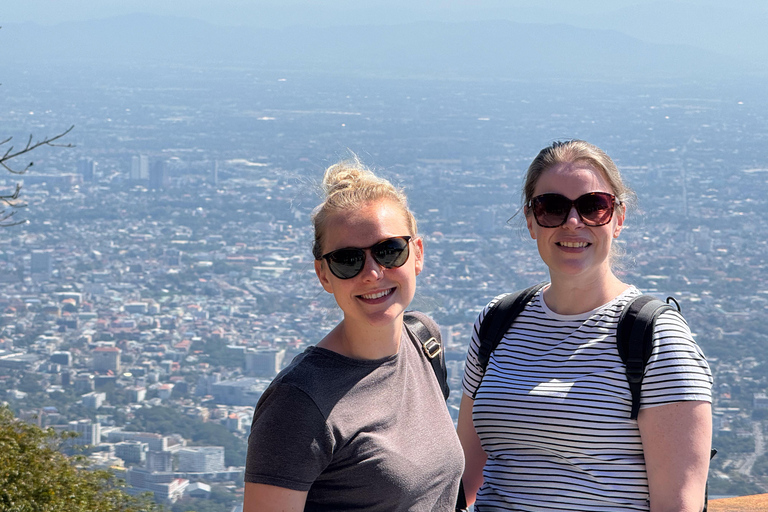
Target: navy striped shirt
[[553, 408]]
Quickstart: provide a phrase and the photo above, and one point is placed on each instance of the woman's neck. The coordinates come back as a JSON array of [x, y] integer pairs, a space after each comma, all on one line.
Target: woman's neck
[[567, 296], [364, 342]]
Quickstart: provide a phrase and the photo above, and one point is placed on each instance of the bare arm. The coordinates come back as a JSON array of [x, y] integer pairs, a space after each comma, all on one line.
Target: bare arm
[[269, 498], [676, 442], [474, 455]]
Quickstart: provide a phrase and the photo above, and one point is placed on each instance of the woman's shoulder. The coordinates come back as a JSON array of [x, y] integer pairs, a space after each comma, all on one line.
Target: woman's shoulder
[[529, 293], [310, 366], [308, 379]]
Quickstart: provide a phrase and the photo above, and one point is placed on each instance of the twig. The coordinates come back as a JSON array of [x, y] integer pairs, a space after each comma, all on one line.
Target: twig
[[30, 146]]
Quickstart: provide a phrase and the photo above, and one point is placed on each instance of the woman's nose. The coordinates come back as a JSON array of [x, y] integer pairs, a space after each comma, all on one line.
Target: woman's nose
[[573, 219], [371, 270]]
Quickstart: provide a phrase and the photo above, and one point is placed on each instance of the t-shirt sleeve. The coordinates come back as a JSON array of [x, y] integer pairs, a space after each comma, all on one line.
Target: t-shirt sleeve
[[473, 371], [290, 443], [677, 370]]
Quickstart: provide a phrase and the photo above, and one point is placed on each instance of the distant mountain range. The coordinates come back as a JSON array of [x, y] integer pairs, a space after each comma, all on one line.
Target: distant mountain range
[[477, 49]]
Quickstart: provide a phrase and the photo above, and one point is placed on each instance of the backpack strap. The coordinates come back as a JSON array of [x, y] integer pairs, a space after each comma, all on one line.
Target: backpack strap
[[634, 339], [430, 347], [433, 351], [497, 322]]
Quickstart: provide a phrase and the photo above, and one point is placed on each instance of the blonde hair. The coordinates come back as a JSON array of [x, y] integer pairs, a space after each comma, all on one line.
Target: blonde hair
[[350, 185], [571, 151]]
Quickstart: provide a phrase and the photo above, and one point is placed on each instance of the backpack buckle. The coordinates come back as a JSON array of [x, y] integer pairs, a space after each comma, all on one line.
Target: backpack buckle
[[431, 348]]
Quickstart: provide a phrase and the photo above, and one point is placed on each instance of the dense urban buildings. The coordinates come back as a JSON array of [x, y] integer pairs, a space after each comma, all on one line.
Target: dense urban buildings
[[165, 274]]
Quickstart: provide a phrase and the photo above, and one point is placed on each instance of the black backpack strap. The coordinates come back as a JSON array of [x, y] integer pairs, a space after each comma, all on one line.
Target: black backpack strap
[[430, 347], [498, 320], [634, 339], [461, 500]]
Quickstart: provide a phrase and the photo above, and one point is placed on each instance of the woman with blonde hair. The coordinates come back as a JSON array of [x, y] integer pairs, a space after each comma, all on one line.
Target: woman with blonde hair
[[547, 424], [358, 421]]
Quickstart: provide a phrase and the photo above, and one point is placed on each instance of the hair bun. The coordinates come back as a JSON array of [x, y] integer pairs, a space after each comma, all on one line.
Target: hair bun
[[347, 186], [345, 175]]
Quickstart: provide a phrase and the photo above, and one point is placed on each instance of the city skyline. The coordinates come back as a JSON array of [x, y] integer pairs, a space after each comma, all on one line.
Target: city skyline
[[166, 273]]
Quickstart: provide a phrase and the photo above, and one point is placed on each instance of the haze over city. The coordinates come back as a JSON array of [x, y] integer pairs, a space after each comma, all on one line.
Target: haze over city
[[165, 270]]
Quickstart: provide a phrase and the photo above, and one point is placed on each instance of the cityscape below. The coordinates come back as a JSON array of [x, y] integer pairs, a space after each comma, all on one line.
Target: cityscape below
[[164, 273]]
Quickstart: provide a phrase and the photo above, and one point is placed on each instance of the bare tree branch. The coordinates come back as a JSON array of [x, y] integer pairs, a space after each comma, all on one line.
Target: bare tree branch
[[9, 203], [30, 146]]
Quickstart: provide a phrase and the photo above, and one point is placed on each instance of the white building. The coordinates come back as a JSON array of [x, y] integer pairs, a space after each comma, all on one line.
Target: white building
[[164, 486], [90, 432], [264, 363], [201, 459], [93, 400]]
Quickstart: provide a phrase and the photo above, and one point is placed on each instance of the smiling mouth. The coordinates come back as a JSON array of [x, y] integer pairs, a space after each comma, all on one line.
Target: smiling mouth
[[574, 245], [377, 295]]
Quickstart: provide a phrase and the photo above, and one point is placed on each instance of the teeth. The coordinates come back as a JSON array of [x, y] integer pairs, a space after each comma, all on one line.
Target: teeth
[[574, 244], [378, 295]]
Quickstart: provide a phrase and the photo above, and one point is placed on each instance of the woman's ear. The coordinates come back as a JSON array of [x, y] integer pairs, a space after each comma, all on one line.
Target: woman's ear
[[418, 245], [529, 222], [620, 214], [321, 269]]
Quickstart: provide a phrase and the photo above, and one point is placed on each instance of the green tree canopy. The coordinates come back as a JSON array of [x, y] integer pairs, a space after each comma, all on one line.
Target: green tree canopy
[[36, 477]]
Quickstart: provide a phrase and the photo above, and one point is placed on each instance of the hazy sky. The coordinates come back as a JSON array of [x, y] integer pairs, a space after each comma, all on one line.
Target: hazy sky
[[304, 11], [730, 27], [345, 11]]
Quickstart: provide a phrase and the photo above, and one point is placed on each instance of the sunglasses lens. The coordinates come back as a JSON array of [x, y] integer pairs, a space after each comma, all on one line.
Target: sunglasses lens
[[596, 209], [391, 253], [551, 210], [346, 263]]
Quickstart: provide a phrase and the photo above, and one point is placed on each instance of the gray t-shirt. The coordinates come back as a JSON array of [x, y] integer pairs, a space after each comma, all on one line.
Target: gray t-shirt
[[358, 434]]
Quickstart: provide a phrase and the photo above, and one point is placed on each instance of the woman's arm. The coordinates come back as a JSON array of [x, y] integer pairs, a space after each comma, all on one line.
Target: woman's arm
[[270, 498], [474, 455], [677, 439]]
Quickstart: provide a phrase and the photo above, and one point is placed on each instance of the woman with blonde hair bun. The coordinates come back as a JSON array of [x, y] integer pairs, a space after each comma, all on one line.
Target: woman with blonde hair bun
[[358, 421]]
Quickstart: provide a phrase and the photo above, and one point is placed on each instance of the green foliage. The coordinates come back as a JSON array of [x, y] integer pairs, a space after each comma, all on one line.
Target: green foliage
[[36, 477], [735, 485], [727, 445], [760, 467], [29, 383]]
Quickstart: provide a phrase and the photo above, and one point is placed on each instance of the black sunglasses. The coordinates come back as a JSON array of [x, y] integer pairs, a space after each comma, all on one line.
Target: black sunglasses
[[346, 263], [552, 210]]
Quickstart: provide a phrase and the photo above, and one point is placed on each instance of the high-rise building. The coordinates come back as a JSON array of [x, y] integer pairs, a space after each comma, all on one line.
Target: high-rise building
[[215, 173], [93, 400], [201, 459], [83, 383], [264, 363], [106, 359], [131, 451], [90, 432], [140, 168], [86, 167], [157, 178], [159, 461]]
